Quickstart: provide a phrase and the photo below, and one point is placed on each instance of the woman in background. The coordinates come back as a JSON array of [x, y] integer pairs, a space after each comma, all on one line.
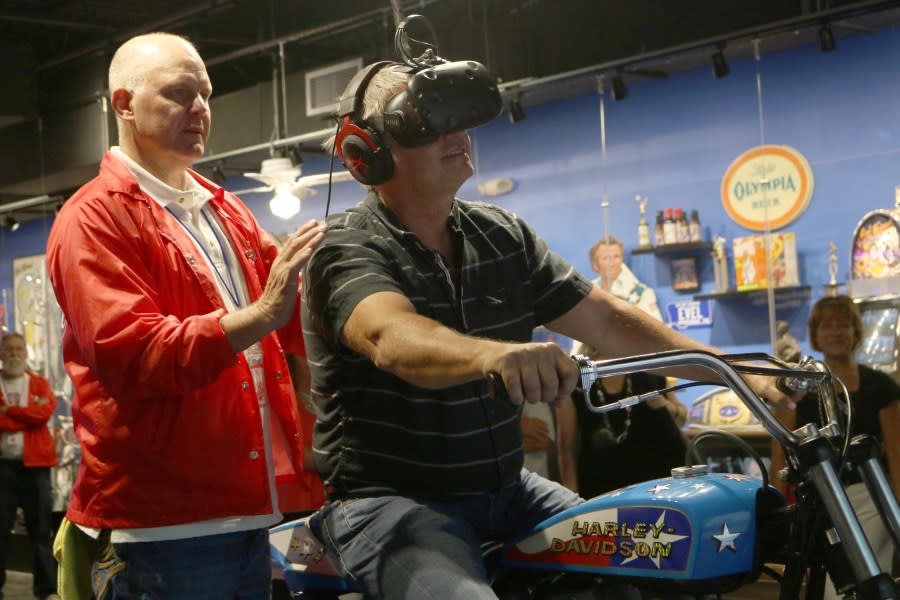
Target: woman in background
[[603, 452], [835, 330]]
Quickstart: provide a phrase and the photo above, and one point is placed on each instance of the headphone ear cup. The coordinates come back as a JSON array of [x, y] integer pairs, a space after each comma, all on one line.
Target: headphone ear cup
[[367, 159]]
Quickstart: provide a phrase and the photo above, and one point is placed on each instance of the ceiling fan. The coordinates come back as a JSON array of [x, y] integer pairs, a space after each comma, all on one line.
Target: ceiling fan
[[281, 176]]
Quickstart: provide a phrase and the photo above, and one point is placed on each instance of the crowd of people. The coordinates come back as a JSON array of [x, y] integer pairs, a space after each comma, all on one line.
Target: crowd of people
[[217, 393]]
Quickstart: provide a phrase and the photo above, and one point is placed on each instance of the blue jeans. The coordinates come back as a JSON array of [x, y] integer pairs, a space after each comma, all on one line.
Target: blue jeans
[[396, 547], [228, 566]]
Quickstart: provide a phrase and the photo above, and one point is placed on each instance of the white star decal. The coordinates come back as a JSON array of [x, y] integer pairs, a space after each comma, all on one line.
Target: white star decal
[[726, 539], [659, 487], [663, 538], [738, 477], [699, 486]]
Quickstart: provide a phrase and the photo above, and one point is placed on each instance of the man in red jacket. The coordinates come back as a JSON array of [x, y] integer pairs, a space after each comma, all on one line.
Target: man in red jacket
[[179, 311], [27, 452]]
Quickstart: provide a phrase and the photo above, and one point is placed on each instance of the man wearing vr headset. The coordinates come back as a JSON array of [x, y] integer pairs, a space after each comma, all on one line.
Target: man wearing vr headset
[[411, 302]]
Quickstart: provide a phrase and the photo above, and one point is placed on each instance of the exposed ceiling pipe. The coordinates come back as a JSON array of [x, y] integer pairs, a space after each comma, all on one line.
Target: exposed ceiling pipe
[[786, 25], [32, 202], [72, 25], [313, 136], [159, 24], [356, 20]]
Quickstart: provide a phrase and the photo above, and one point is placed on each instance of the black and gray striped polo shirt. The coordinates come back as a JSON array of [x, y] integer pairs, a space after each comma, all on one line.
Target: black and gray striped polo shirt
[[377, 434]]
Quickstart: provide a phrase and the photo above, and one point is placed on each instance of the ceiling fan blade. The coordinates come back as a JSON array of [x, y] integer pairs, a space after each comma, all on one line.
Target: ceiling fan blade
[[256, 190], [322, 178]]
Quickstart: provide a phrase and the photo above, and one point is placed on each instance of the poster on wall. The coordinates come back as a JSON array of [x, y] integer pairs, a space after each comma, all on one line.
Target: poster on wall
[[767, 187], [39, 318]]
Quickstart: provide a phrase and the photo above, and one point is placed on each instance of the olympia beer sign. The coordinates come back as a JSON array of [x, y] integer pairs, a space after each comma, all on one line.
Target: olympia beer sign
[[767, 187]]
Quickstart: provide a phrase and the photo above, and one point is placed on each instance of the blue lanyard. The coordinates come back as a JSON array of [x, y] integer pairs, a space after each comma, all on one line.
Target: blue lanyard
[[229, 285]]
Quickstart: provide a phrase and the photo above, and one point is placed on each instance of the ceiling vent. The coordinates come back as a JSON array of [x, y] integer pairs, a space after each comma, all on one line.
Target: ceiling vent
[[324, 86]]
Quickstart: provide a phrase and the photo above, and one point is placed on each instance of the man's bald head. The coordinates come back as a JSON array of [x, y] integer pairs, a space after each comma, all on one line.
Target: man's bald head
[[139, 56]]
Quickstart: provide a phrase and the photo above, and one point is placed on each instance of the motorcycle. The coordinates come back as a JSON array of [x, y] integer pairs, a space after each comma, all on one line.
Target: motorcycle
[[694, 533]]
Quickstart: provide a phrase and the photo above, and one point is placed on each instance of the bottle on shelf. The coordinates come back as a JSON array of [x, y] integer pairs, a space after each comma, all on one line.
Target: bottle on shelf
[[643, 226], [669, 236], [694, 227], [643, 233], [682, 234], [658, 238]]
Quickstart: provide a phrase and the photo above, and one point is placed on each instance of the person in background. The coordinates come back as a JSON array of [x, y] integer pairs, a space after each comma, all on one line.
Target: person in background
[[411, 303], [835, 330], [615, 277], [539, 425], [27, 452], [603, 452], [179, 311]]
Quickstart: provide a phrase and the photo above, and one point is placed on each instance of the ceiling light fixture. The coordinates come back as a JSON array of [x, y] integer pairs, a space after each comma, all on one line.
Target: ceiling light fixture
[[12, 223], [284, 204]]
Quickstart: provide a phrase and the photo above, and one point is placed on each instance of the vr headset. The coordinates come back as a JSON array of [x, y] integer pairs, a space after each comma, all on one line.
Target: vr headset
[[441, 97]]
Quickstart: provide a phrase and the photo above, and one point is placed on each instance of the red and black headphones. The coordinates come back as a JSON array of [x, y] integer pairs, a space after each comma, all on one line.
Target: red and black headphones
[[441, 97]]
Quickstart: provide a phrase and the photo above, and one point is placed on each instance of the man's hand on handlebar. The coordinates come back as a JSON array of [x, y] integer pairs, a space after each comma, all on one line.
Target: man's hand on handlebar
[[532, 372], [766, 388]]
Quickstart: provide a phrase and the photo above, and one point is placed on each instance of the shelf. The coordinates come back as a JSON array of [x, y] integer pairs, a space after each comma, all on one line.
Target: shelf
[[798, 290], [684, 248]]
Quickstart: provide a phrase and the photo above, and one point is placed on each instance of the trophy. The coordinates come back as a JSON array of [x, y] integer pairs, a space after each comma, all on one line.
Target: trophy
[[831, 288], [643, 226], [720, 264]]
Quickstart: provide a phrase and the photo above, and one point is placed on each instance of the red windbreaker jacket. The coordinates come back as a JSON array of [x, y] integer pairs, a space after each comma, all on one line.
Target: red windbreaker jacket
[[166, 412], [38, 449]]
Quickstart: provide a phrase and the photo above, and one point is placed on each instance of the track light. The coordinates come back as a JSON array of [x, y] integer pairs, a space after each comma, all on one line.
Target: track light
[[11, 223], [516, 112], [218, 174], [720, 66], [826, 38], [619, 91], [293, 152]]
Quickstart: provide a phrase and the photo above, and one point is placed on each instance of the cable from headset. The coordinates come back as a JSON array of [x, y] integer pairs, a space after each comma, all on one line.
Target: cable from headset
[[428, 58], [331, 165]]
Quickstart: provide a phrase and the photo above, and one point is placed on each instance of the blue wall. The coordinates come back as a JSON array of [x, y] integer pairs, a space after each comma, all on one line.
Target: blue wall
[[672, 140]]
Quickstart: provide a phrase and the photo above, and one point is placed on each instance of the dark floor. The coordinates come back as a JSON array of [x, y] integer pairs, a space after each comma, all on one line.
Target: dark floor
[[18, 587]]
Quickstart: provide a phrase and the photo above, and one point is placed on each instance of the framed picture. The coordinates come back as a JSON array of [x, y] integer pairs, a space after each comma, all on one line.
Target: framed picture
[[684, 274], [39, 319]]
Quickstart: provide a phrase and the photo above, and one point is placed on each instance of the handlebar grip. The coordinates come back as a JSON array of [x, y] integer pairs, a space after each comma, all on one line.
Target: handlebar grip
[[782, 385], [790, 385], [496, 387]]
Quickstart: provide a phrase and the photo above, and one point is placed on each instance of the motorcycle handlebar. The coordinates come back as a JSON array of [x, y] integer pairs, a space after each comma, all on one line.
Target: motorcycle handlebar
[[817, 469], [722, 365], [725, 366]]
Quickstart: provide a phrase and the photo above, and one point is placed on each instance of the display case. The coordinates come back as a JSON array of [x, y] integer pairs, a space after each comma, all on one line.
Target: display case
[[881, 326], [875, 287], [875, 255]]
